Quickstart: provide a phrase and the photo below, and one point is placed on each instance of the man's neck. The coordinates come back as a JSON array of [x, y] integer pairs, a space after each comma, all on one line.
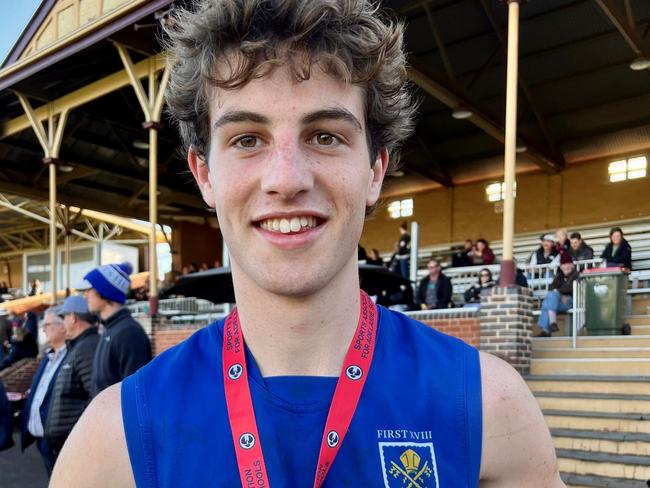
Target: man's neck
[[57, 347], [300, 336], [108, 310]]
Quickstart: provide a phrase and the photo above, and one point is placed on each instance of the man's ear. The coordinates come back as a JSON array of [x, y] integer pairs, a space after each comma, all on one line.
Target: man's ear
[[201, 172], [376, 178]]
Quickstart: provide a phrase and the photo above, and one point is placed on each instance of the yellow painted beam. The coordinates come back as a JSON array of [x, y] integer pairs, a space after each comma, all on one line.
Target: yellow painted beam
[[121, 221], [83, 95]]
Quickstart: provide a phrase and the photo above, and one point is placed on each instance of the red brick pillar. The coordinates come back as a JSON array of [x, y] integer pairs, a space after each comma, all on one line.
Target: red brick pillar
[[506, 321]]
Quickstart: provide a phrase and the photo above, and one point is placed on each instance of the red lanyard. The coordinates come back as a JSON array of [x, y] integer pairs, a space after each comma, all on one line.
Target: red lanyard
[[248, 446]]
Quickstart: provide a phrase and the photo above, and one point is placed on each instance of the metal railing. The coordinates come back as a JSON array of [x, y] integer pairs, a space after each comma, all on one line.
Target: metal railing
[[578, 310]]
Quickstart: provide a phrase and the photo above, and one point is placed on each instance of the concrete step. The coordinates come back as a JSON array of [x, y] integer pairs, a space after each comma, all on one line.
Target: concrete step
[[570, 419], [592, 366], [593, 352], [586, 481], [595, 403], [605, 442], [592, 341], [620, 466], [640, 330], [639, 385]]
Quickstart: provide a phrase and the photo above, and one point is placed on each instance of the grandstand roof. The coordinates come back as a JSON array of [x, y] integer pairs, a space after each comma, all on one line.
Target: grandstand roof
[[579, 99]]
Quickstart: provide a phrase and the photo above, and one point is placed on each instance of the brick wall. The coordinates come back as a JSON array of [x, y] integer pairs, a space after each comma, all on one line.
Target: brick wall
[[18, 377], [506, 324], [165, 337], [461, 323]]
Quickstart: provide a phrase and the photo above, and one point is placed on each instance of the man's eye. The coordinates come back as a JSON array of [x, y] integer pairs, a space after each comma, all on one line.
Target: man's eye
[[247, 142], [324, 139]]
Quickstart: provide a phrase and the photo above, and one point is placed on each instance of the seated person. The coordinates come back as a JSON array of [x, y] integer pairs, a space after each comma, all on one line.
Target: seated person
[[485, 282], [434, 290], [375, 258], [463, 257], [618, 253], [579, 249], [562, 243], [482, 253], [546, 253], [559, 297], [22, 345]]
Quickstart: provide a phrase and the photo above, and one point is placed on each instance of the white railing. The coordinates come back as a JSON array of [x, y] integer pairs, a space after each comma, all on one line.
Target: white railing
[[178, 306], [578, 310]]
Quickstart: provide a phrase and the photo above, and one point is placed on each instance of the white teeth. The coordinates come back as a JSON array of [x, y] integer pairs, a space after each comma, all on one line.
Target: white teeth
[[295, 224], [285, 226]]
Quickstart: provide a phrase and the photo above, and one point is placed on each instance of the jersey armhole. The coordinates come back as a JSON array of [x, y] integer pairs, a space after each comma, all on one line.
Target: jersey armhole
[[474, 414], [137, 430]]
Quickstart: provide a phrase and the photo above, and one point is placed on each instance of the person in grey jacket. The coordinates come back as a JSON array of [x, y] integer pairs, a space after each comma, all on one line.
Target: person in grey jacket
[[124, 346], [72, 390]]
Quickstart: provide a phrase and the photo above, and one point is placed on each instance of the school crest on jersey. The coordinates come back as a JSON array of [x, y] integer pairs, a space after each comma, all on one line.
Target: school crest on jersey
[[408, 465]]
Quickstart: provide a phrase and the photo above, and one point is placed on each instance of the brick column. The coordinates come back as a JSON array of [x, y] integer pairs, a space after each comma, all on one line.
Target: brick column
[[506, 320]]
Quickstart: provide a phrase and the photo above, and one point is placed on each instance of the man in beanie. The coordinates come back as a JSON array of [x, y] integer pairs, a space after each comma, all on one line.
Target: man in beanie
[[124, 347], [72, 390], [559, 297]]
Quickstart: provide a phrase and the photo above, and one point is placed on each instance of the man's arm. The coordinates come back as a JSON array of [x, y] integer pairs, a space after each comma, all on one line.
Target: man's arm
[[517, 446], [95, 453]]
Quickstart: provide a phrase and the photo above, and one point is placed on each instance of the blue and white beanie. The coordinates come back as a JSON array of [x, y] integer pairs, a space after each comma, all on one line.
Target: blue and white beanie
[[111, 281]]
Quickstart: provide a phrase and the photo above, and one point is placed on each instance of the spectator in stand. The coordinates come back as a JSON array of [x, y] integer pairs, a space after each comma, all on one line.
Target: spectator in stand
[[4, 289], [22, 344], [579, 250], [375, 258], [404, 250], [464, 256], [216, 264], [485, 282], [5, 333], [124, 347], [362, 255], [393, 262], [520, 277], [35, 414], [434, 290], [482, 253], [560, 296], [546, 253], [6, 421], [72, 390], [618, 253], [35, 288], [562, 243]]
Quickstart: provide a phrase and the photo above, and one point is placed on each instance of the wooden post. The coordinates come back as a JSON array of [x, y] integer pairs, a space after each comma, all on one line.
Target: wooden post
[[507, 276]]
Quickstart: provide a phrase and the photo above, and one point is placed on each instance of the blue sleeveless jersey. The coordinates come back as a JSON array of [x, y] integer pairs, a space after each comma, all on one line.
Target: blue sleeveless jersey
[[418, 422]]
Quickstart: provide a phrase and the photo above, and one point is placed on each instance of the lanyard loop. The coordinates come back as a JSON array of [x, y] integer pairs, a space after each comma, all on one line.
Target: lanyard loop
[[248, 446]]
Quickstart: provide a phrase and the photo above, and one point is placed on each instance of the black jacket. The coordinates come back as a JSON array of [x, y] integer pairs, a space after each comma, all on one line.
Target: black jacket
[[123, 349], [72, 390], [444, 291], [622, 257], [564, 283], [583, 252], [6, 420]]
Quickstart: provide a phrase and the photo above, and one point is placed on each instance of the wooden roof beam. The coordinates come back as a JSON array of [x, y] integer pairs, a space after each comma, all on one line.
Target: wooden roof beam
[[543, 159], [629, 33]]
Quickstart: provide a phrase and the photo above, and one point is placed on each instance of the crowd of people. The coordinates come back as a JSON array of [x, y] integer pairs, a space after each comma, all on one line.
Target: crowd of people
[[93, 342]]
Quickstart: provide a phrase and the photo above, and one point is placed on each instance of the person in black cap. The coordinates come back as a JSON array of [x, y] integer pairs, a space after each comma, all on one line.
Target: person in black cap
[[72, 390], [559, 297], [124, 347]]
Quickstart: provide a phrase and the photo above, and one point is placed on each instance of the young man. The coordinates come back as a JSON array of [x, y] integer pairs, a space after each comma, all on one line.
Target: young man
[[35, 414], [560, 296], [124, 346], [72, 391], [292, 111], [580, 251]]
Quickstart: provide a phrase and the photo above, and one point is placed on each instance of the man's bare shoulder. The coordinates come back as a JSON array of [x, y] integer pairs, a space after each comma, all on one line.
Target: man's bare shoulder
[[517, 446], [95, 453]]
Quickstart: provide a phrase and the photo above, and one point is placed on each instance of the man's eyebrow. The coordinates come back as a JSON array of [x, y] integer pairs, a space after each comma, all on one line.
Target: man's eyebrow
[[240, 116], [334, 113]]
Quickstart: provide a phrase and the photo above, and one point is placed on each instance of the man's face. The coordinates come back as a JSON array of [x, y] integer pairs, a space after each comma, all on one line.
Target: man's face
[[53, 328], [547, 245], [567, 268], [434, 268], [575, 244], [290, 177], [95, 302]]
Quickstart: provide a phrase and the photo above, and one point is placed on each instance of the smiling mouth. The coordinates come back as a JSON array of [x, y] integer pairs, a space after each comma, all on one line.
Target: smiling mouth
[[292, 225]]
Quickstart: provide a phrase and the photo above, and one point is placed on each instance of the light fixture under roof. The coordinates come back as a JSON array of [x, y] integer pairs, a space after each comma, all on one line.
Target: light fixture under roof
[[140, 144], [398, 174], [461, 113], [65, 168], [640, 63], [521, 147]]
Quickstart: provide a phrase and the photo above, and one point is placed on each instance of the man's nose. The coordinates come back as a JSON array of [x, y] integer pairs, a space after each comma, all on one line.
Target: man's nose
[[288, 170]]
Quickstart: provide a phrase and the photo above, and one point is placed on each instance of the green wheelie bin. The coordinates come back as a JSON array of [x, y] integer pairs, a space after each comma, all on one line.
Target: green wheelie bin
[[605, 300]]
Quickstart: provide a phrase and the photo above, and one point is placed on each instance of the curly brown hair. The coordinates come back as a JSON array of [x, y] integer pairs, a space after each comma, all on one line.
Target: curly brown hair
[[348, 39]]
